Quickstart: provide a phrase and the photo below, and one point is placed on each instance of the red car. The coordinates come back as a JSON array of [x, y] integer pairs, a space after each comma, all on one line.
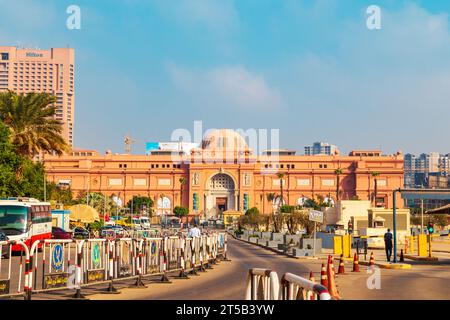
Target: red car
[[58, 233]]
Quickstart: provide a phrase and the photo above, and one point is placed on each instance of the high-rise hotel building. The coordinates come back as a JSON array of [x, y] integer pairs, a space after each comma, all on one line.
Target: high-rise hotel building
[[52, 71]]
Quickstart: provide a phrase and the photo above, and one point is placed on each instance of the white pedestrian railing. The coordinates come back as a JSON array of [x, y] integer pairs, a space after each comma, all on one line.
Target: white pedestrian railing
[[263, 284], [73, 264], [293, 287]]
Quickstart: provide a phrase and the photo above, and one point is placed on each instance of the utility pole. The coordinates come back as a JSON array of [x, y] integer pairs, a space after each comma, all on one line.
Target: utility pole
[[45, 188], [87, 193]]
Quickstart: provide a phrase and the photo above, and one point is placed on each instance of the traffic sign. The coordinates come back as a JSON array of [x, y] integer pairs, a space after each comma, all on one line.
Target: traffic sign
[[57, 257], [316, 216], [96, 255]]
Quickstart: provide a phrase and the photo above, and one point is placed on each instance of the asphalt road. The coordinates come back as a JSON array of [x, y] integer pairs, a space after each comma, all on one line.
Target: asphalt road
[[227, 279]]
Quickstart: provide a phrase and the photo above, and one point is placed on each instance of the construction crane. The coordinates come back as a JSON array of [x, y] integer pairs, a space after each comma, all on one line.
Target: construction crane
[[128, 142]]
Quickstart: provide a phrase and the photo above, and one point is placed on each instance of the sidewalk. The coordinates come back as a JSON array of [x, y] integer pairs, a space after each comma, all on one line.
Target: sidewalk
[[379, 256]]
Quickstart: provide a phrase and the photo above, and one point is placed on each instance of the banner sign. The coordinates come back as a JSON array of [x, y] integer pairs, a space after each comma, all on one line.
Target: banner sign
[[55, 280], [316, 216]]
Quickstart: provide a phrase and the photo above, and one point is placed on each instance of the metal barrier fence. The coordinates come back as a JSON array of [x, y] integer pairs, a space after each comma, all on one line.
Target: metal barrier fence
[[293, 287], [263, 284], [9, 280], [52, 264]]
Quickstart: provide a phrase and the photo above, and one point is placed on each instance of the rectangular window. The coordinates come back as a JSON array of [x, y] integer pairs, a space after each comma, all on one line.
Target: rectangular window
[[328, 182], [164, 182], [5, 56], [115, 182], [140, 182], [303, 182], [276, 182]]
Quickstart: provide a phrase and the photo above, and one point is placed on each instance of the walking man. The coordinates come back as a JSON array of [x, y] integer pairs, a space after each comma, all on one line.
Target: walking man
[[388, 244], [195, 231]]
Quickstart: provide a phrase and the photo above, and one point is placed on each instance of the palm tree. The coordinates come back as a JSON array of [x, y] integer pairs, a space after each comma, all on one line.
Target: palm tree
[[182, 181], [375, 174], [270, 197], [30, 118], [338, 173], [281, 176]]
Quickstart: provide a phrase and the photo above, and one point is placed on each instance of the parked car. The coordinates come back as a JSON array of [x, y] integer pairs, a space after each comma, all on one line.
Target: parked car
[[112, 231], [5, 247], [172, 222], [80, 233], [59, 233]]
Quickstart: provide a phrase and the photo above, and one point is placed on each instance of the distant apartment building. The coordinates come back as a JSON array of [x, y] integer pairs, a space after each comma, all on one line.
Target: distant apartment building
[[429, 170], [35, 70], [321, 148]]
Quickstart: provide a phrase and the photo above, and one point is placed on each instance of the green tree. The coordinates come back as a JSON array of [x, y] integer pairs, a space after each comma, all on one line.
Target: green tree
[[60, 195], [440, 220], [19, 176], [253, 218], [30, 118], [311, 203], [100, 202], [140, 203], [270, 198], [181, 212], [182, 181]]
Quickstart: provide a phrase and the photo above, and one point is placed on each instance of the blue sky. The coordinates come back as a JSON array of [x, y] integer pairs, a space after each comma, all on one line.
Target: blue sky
[[309, 68]]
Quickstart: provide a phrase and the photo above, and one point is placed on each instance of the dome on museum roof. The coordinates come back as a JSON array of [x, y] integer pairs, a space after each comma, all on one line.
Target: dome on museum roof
[[227, 139]]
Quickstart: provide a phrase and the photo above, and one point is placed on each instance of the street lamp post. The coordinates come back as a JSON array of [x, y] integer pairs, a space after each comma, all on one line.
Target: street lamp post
[[394, 222], [45, 188]]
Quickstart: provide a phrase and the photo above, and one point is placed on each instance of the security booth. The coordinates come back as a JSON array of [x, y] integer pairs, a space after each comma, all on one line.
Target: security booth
[[61, 219], [230, 217]]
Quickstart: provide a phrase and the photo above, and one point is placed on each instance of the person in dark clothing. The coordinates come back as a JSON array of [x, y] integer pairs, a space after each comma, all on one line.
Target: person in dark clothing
[[388, 244]]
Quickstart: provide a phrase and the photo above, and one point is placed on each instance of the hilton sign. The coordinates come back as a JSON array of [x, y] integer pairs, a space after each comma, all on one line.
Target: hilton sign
[[34, 55]]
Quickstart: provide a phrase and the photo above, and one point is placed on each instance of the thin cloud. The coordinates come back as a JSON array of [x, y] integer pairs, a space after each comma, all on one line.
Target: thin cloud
[[216, 15], [232, 86]]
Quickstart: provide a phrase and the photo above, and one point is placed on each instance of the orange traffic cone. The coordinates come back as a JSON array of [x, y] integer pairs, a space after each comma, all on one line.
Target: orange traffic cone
[[330, 269], [372, 260], [355, 263], [332, 284], [312, 295], [341, 269], [323, 276]]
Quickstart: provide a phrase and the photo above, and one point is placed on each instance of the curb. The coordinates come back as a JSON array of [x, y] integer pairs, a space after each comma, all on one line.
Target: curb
[[395, 266], [421, 258], [276, 250]]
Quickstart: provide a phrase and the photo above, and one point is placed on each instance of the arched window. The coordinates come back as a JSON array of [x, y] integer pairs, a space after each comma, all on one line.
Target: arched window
[[163, 203], [276, 202], [221, 181]]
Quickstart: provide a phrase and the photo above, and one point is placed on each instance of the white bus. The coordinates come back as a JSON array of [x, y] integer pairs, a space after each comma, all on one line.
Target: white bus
[[25, 219]]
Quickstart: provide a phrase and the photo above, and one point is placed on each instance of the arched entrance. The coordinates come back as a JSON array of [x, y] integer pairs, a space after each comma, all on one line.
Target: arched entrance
[[220, 195]]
